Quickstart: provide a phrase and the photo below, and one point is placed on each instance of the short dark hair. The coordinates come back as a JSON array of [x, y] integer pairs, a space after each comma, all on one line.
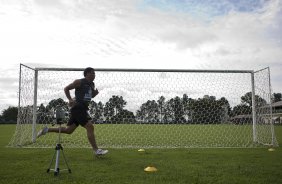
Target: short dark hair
[[87, 70]]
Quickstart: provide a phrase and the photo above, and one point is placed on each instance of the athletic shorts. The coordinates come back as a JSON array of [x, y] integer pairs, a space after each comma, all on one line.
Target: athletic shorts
[[79, 115]]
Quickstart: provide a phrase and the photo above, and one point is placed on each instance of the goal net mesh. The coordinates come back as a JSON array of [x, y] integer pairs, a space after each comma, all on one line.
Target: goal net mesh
[[151, 108]]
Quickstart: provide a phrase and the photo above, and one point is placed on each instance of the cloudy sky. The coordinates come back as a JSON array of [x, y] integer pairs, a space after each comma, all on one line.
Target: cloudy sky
[[158, 34]]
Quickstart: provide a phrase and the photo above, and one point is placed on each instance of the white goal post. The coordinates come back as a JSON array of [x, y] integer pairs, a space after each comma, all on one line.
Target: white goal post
[[151, 108]]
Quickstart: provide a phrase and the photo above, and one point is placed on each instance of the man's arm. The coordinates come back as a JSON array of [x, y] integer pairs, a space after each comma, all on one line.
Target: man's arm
[[71, 86], [95, 92]]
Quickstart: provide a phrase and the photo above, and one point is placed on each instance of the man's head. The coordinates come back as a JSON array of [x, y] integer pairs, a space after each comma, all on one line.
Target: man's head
[[89, 73], [88, 70]]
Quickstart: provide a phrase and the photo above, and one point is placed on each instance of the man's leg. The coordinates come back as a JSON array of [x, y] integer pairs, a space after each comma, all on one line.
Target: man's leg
[[90, 135], [67, 130], [91, 138]]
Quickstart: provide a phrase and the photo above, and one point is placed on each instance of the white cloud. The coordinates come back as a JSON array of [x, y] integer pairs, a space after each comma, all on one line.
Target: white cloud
[[142, 34]]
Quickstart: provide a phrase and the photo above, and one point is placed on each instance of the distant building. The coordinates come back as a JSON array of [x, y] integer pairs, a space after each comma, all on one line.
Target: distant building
[[277, 112], [242, 119], [263, 115]]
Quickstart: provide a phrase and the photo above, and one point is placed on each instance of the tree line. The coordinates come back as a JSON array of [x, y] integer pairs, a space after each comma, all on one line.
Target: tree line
[[205, 110]]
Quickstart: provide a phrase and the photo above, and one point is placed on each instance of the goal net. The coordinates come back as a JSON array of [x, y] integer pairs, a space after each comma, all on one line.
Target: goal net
[[151, 108]]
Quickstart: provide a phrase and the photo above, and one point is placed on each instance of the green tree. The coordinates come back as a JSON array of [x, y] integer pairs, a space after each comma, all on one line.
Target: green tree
[[57, 102], [114, 106], [153, 111], [178, 110], [124, 116], [277, 97], [247, 99], [174, 111], [148, 112], [185, 105], [140, 113], [10, 114], [44, 115], [161, 106], [241, 109], [226, 109], [206, 110], [169, 113], [109, 111], [96, 110]]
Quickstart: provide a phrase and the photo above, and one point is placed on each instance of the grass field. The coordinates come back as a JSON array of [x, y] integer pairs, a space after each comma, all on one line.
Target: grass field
[[153, 136], [198, 165]]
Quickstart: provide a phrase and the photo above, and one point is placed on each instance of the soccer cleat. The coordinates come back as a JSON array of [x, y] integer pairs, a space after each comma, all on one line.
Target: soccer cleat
[[42, 132], [101, 152]]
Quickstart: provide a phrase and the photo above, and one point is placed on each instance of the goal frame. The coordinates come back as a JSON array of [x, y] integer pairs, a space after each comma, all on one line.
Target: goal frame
[[251, 72]]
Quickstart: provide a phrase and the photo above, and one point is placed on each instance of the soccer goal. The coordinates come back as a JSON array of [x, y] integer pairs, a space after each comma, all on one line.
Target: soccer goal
[[151, 108]]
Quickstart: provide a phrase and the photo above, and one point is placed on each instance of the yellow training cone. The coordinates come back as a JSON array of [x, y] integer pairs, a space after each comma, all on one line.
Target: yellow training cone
[[150, 169], [141, 150], [271, 149]]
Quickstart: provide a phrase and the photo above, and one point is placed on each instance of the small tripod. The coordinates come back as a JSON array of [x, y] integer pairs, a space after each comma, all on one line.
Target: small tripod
[[60, 115]]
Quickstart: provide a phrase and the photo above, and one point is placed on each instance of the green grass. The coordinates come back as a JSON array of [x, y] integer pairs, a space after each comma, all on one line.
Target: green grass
[[155, 136], [198, 165]]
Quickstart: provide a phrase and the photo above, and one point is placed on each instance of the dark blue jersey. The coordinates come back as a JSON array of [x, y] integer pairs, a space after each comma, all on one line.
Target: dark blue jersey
[[83, 94]]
